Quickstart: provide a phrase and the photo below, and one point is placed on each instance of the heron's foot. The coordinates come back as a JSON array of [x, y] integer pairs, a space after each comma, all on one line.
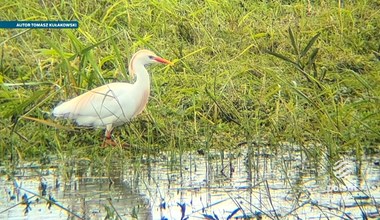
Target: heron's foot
[[109, 142]]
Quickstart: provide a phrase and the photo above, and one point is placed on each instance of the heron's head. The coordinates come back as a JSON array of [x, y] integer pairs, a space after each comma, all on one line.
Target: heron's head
[[145, 57]]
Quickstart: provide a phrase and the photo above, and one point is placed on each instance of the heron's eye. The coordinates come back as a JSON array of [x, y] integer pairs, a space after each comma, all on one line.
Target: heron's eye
[[151, 57]]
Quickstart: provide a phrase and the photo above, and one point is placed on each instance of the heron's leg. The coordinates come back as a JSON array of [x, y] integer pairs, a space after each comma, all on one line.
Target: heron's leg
[[108, 141], [108, 136], [108, 133]]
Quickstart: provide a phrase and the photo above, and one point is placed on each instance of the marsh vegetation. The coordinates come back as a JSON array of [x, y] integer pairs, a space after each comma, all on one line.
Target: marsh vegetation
[[246, 74]]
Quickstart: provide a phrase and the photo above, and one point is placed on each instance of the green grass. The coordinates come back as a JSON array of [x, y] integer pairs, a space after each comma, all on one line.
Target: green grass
[[224, 89]]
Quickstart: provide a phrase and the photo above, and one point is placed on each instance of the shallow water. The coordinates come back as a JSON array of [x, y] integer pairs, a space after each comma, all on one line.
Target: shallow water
[[241, 183]]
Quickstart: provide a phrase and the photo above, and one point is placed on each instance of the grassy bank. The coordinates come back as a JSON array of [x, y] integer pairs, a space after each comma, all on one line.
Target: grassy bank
[[243, 72]]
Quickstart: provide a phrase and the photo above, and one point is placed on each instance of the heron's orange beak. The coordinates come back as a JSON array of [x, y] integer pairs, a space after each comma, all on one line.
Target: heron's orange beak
[[162, 60]]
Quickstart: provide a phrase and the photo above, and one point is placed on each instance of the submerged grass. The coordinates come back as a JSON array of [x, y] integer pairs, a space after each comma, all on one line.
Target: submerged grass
[[226, 87]]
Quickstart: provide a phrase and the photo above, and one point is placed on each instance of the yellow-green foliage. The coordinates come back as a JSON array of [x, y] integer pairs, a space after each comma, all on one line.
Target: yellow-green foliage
[[224, 88]]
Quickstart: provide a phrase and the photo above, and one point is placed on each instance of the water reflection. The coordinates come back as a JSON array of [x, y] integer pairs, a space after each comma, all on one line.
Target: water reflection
[[243, 183]]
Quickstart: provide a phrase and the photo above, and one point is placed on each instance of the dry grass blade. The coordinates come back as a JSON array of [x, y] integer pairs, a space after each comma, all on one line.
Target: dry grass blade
[[49, 123]]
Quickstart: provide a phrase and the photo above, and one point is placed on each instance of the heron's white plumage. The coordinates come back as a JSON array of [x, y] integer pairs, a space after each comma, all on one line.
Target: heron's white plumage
[[113, 104], [109, 104]]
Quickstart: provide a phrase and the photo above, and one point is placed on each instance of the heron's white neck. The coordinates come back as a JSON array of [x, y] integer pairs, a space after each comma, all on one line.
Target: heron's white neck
[[142, 82]]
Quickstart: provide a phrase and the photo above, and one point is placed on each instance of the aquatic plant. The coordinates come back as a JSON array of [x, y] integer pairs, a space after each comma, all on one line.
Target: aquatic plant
[[317, 88]]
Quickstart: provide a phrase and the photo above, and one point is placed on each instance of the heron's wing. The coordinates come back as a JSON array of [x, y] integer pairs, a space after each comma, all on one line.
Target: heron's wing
[[100, 106]]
